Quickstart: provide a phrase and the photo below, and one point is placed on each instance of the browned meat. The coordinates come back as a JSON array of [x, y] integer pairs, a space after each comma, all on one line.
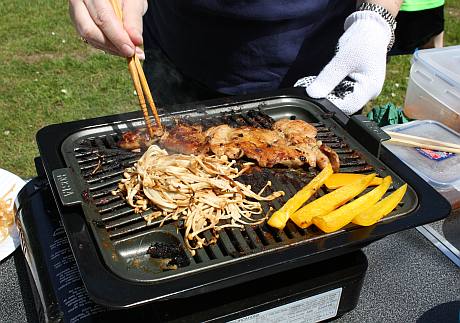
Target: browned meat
[[180, 138], [332, 156], [321, 159], [308, 152], [258, 136], [267, 147], [269, 156], [136, 139], [220, 142], [295, 131], [292, 143], [185, 139]]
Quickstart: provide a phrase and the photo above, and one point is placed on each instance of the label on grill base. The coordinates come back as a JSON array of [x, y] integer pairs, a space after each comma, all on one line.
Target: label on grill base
[[66, 187], [312, 309]]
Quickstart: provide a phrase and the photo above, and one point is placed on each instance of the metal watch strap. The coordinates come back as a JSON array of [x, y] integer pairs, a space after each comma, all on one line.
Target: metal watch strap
[[365, 6]]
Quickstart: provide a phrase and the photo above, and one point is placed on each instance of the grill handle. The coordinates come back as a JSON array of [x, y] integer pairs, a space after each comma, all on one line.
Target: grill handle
[[66, 187], [367, 132]]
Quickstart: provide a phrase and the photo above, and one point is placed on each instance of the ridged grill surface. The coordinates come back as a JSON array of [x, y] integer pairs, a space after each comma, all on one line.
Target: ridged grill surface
[[102, 164]]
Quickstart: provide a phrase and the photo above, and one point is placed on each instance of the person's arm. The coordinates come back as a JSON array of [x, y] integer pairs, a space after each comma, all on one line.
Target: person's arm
[[97, 24], [391, 5], [360, 59]]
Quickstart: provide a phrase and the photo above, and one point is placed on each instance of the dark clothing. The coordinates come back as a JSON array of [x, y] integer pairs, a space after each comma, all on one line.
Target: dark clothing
[[415, 28], [237, 46], [169, 86]]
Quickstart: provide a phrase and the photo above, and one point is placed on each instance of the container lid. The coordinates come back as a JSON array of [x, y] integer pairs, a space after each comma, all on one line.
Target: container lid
[[443, 62], [440, 169]]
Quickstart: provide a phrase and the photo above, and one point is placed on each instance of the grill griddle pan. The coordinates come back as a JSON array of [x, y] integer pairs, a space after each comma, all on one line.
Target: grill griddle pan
[[110, 242]]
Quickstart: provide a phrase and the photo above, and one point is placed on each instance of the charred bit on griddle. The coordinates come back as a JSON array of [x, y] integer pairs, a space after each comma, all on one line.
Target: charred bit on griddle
[[173, 255]]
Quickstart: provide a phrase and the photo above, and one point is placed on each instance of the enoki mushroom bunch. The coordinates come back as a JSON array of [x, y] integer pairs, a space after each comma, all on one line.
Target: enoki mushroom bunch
[[200, 190]]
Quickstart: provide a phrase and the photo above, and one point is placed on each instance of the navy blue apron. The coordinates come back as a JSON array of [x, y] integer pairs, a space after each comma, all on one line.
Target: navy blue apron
[[245, 46]]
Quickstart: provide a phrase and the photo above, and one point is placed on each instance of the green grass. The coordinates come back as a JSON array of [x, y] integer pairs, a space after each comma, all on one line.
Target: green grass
[[47, 75], [398, 68]]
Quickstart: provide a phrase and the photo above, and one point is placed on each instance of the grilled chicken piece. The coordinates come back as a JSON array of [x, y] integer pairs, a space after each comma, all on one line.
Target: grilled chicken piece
[[332, 156], [267, 147], [295, 131], [180, 138], [308, 151], [291, 143], [269, 156], [220, 142], [138, 138], [185, 139], [321, 159], [301, 135], [259, 136]]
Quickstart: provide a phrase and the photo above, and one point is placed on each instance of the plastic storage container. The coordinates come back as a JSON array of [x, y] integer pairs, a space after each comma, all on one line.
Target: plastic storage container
[[433, 91], [440, 169]]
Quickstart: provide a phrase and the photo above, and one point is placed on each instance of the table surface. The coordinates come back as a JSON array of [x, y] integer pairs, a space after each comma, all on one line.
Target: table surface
[[407, 280]]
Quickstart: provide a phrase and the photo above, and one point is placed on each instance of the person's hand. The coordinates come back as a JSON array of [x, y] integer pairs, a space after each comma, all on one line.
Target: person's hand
[[360, 58], [97, 24]]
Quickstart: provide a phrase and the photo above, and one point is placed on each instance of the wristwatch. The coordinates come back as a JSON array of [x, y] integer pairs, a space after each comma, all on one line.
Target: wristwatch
[[385, 14]]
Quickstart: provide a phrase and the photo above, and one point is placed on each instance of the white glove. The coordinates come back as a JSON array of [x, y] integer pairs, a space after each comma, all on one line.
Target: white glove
[[361, 55]]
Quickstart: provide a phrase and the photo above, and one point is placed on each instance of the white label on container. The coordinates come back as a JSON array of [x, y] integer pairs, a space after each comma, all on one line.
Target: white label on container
[[312, 309]]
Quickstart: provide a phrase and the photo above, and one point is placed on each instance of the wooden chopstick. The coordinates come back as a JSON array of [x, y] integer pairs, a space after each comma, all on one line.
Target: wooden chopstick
[[140, 82], [146, 88], [422, 139], [408, 143], [421, 142]]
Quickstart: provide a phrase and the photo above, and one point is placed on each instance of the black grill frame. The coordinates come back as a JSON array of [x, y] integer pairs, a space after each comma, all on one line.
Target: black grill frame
[[239, 269]]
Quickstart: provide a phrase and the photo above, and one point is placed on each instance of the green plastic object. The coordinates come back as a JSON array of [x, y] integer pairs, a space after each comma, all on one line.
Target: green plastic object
[[387, 114], [417, 5]]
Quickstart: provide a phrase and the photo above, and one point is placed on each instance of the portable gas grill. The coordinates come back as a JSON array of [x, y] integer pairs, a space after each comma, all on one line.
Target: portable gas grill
[[81, 165]]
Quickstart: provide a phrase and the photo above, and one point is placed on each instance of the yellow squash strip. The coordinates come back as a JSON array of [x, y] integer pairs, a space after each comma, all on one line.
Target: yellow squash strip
[[330, 201], [339, 218], [337, 180], [279, 218], [381, 208]]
